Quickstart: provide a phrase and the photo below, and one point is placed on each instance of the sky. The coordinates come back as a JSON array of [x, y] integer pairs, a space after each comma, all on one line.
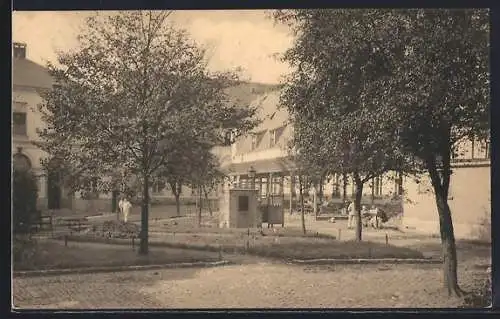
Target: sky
[[235, 38]]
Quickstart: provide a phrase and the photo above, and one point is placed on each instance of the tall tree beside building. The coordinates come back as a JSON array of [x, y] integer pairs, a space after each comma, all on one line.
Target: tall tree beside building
[[434, 94], [338, 57], [439, 97], [133, 88], [309, 173]]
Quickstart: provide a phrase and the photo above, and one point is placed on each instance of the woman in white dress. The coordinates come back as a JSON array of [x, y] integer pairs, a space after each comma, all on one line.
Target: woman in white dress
[[351, 211], [120, 205], [126, 209]]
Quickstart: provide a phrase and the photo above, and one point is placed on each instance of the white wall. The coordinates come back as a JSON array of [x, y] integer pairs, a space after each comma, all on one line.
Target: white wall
[[27, 100], [469, 200]]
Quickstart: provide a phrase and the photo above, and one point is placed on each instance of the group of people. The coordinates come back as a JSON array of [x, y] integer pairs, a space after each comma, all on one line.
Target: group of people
[[372, 217], [124, 206]]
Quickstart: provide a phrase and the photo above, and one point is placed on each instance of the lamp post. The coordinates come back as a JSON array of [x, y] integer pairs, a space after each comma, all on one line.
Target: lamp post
[[251, 175]]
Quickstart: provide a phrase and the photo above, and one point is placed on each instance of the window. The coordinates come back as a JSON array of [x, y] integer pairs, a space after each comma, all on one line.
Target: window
[[256, 138], [472, 149], [487, 146], [158, 187], [377, 186], [272, 138], [243, 203], [275, 135], [19, 123], [254, 142]]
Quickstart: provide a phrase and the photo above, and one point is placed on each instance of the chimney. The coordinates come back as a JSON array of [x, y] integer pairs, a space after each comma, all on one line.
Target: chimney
[[19, 50]]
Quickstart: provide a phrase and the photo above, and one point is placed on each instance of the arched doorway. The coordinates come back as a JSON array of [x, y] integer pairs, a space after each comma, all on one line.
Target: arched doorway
[[54, 189], [21, 162]]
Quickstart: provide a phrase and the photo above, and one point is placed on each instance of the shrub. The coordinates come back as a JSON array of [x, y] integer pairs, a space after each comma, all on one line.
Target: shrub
[[23, 252], [481, 297], [117, 229], [24, 198]]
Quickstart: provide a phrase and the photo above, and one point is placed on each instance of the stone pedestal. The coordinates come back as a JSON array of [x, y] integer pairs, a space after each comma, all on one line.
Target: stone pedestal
[[238, 209]]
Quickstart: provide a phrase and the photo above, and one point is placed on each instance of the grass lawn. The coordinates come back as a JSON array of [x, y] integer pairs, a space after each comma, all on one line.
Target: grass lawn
[[334, 250], [49, 254], [282, 247]]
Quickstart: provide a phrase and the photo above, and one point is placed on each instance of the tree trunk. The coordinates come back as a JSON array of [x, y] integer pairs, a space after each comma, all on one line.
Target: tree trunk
[[176, 188], [315, 202], [114, 204], [449, 251], [321, 189], [208, 201], [357, 206], [177, 204], [344, 187], [143, 247], [199, 205], [448, 246], [373, 191], [334, 187], [301, 194]]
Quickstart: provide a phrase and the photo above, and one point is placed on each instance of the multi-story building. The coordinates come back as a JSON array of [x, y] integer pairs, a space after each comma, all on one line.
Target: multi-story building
[[28, 78], [265, 154]]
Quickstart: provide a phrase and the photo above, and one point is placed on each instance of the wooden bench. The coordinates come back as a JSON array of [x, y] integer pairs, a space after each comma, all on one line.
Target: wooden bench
[[75, 223], [46, 220], [40, 221]]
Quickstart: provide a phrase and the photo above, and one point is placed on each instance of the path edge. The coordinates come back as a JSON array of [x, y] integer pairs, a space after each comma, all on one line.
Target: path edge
[[338, 261], [88, 270]]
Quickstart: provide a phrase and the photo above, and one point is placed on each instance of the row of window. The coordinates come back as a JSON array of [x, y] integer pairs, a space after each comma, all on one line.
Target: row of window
[[376, 186], [475, 150], [274, 136]]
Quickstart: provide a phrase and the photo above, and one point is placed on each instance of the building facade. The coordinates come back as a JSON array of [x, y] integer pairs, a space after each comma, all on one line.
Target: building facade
[[469, 196], [28, 78], [265, 154]]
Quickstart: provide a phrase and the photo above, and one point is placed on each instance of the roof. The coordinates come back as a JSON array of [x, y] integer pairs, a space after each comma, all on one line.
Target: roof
[[244, 93], [28, 73], [268, 111]]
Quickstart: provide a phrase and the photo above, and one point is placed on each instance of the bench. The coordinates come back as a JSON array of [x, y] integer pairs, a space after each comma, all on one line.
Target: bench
[[40, 221], [76, 224]]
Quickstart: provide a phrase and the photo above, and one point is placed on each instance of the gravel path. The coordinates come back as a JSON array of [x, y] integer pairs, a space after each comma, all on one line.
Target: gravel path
[[257, 284]]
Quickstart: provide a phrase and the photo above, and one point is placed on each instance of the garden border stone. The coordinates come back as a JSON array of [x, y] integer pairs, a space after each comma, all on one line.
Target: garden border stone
[[101, 269], [345, 261]]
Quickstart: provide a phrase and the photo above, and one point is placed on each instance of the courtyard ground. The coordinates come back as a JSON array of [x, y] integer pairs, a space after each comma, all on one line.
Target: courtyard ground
[[255, 283]]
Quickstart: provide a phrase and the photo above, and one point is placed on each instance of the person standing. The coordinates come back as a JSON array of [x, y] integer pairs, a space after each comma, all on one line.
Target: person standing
[[126, 209], [351, 211], [120, 205]]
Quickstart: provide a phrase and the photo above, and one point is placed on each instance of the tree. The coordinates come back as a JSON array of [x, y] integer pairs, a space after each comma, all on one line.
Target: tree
[[307, 171], [338, 59], [440, 96], [24, 198], [434, 95], [132, 91]]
